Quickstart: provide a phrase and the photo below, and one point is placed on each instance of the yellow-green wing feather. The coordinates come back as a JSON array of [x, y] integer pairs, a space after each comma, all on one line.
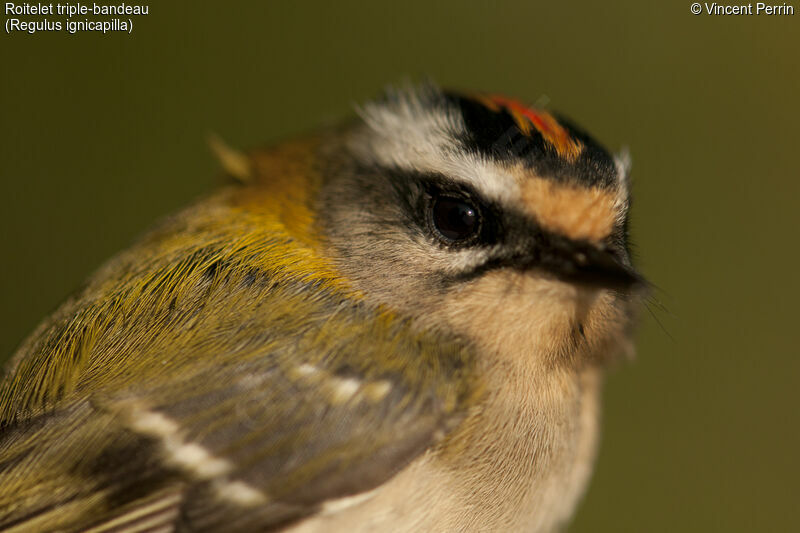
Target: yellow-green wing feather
[[204, 381]]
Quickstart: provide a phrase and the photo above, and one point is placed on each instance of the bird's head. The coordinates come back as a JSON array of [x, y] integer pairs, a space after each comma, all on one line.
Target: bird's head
[[480, 215]]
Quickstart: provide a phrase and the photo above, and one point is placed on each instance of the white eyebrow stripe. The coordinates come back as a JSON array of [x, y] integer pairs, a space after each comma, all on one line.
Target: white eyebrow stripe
[[487, 177], [412, 138]]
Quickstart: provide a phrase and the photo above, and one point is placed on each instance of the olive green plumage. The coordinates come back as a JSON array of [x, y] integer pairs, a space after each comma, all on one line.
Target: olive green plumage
[[225, 323], [399, 325]]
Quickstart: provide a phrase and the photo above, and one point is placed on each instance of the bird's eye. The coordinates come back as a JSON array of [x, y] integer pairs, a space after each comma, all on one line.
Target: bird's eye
[[455, 219]]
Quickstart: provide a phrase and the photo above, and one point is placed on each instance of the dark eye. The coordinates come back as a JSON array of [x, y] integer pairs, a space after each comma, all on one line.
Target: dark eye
[[456, 219]]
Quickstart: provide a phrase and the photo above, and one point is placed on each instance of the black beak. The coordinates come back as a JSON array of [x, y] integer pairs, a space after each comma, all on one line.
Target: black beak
[[578, 262], [588, 264]]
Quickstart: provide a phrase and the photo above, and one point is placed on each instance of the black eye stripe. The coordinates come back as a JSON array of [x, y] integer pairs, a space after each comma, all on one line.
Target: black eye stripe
[[506, 238], [416, 192]]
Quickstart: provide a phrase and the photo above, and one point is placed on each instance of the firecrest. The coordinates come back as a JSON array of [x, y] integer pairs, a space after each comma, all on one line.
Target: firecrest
[[400, 324]]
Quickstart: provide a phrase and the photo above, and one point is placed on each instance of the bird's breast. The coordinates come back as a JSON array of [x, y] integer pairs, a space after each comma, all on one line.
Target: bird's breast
[[519, 462]]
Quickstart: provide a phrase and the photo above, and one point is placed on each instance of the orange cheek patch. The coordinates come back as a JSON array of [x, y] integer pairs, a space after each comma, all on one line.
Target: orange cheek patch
[[575, 212]]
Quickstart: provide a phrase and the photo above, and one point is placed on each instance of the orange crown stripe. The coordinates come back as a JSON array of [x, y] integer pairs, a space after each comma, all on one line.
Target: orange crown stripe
[[552, 132]]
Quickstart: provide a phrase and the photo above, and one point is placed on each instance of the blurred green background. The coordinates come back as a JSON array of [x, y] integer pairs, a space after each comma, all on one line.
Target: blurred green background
[[103, 134]]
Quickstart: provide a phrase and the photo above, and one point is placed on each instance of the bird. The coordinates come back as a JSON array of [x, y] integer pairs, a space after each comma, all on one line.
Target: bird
[[400, 323]]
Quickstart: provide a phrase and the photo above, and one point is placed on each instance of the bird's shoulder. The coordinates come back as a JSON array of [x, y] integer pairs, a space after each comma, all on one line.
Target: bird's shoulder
[[207, 386]]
